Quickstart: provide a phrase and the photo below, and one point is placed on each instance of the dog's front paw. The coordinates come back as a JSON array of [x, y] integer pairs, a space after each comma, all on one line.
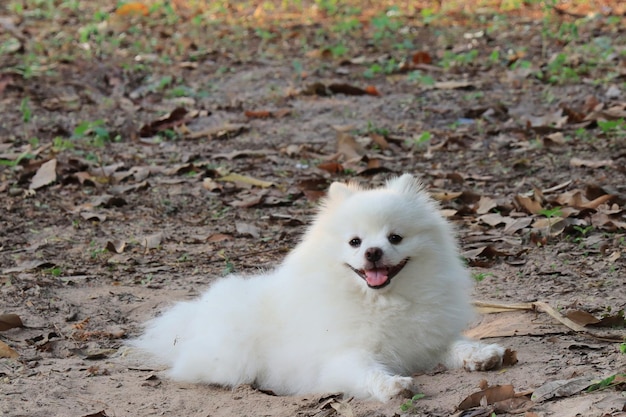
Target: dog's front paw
[[474, 356], [384, 387], [484, 357]]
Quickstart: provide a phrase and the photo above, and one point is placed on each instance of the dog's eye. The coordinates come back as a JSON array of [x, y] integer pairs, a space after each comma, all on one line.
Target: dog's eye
[[355, 242], [394, 239]]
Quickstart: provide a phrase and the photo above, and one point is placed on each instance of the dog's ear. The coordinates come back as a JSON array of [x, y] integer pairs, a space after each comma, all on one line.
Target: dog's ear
[[405, 183], [339, 191]]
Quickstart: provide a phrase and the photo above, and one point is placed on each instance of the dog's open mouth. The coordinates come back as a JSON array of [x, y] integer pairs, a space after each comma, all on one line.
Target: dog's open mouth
[[379, 277]]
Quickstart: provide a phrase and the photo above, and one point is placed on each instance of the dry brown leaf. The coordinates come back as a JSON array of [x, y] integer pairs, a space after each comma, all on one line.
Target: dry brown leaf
[[485, 204], [7, 352], [314, 188], [106, 170], [324, 53], [331, 167], [258, 114], [374, 165], [493, 219], [45, 175], [454, 85], [347, 89], [116, 246], [509, 324], [544, 307], [515, 405], [175, 118], [226, 130], [446, 195], [243, 153], [608, 221], [577, 199], [218, 237], [10, 321], [582, 317], [152, 241], [380, 140], [421, 57], [614, 256], [487, 251], [517, 224], [98, 334], [316, 89], [6, 79], [124, 189], [85, 178], [248, 229], [266, 114], [556, 138], [211, 185], [8, 24], [616, 320], [552, 121], [372, 90], [554, 225], [509, 358], [244, 179], [343, 408], [91, 216], [489, 395], [578, 162], [280, 113], [469, 197], [29, 265], [530, 205], [134, 8], [248, 200], [560, 388], [574, 116], [349, 147], [595, 203], [613, 113], [107, 201], [448, 213]]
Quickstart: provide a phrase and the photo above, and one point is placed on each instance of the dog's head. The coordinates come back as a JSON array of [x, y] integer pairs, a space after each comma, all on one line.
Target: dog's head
[[384, 234]]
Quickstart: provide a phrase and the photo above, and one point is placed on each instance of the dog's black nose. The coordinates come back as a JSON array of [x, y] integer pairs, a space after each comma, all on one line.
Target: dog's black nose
[[373, 254]]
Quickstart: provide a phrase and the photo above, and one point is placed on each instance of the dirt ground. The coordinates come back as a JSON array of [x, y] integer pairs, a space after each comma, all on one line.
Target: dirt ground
[[130, 181]]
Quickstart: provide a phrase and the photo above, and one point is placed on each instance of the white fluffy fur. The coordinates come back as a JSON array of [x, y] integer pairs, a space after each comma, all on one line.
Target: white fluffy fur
[[314, 326]]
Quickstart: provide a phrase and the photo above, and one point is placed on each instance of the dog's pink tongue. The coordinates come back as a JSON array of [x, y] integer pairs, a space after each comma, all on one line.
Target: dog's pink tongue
[[376, 277]]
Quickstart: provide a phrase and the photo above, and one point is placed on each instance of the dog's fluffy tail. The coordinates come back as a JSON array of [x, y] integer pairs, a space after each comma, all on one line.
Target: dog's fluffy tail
[[161, 334]]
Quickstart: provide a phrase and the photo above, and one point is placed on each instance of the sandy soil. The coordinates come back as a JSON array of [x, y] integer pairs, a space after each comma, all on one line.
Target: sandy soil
[[92, 254]]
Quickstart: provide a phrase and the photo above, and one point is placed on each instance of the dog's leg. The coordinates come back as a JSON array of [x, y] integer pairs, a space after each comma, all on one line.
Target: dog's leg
[[474, 356], [356, 373]]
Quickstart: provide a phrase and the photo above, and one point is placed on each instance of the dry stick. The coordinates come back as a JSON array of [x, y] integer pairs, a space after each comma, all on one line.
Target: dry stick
[[556, 188], [545, 308], [488, 307], [542, 306], [246, 254]]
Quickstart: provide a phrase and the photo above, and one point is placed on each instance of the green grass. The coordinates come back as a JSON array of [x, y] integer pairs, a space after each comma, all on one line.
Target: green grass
[[100, 33], [409, 405], [218, 36], [480, 276]]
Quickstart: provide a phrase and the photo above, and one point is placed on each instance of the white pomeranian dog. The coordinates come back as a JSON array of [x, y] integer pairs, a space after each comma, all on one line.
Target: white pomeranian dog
[[375, 291]]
